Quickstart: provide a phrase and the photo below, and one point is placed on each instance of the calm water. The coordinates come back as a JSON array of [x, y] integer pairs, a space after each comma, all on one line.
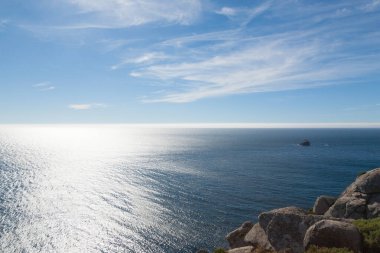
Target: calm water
[[123, 189]]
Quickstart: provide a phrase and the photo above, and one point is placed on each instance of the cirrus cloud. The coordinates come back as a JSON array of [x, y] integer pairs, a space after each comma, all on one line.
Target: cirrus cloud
[[87, 106], [44, 86], [116, 13], [311, 49]]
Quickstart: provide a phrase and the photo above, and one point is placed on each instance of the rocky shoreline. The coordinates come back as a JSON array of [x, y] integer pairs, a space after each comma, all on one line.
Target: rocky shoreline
[[331, 223]]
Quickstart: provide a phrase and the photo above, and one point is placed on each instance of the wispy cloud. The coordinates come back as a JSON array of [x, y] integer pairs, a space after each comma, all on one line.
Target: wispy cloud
[[276, 63], [302, 53], [227, 11], [221, 36], [296, 45], [368, 107], [44, 86], [3, 23], [87, 106], [116, 13], [146, 58], [114, 44], [372, 5], [244, 15]]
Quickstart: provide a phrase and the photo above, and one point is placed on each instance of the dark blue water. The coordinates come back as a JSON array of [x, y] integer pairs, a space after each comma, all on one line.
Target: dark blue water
[[120, 189]]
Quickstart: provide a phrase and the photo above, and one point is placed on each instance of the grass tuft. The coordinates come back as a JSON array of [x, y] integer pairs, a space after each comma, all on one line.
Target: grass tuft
[[220, 250], [370, 230]]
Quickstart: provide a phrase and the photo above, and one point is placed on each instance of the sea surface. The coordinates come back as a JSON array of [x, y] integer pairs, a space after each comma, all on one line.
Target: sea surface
[[117, 188]]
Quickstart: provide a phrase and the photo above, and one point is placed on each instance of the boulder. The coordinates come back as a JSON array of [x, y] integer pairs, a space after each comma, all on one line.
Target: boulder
[[254, 237], [286, 227], [236, 238], [332, 233], [360, 200], [367, 183], [323, 203], [348, 207], [246, 249], [257, 237], [373, 206]]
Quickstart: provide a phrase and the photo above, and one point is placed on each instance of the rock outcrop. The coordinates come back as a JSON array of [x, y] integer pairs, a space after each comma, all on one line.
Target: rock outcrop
[[293, 230], [323, 203], [286, 227], [257, 237], [360, 199], [305, 143], [373, 206], [331, 233], [236, 238], [246, 249]]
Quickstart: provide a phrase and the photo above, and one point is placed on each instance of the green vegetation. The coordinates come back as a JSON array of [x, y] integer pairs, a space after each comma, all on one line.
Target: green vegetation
[[315, 249], [370, 230], [220, 250]]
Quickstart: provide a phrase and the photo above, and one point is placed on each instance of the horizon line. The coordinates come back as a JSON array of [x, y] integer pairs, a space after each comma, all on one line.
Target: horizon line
[[213, 125]]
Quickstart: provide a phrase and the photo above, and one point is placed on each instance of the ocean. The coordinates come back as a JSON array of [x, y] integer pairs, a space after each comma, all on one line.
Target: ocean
[[120, 188]]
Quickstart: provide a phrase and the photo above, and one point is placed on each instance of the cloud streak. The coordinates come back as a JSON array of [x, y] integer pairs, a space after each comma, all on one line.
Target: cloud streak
[[116, 14], [44, 86], [293, 45], [82, 107], [145, 58], [3, 23], [244, 15], [303, 53]]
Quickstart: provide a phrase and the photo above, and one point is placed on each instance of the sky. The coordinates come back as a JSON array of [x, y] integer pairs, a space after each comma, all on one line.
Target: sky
[[189, 61]]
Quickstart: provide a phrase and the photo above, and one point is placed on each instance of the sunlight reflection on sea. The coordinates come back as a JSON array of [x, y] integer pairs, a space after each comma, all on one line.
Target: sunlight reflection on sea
[[113, 188]]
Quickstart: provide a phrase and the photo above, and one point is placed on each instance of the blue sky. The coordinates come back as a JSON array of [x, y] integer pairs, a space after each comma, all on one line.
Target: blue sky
[[189, 61]]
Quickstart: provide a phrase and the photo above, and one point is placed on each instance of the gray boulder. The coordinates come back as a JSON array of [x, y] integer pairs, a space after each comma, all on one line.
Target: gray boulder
[[236, 238], [323, 203], [360, 199], [286, 227], [367, 183], [373, 206], [349, 207], [331, 233], [257, 238], [246, 249]]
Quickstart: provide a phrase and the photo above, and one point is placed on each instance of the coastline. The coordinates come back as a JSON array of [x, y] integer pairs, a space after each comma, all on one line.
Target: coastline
[[334, 224]]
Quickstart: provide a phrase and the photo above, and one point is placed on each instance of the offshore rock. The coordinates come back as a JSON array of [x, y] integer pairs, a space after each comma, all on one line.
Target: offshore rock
[[305, 143], [331, 233]]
